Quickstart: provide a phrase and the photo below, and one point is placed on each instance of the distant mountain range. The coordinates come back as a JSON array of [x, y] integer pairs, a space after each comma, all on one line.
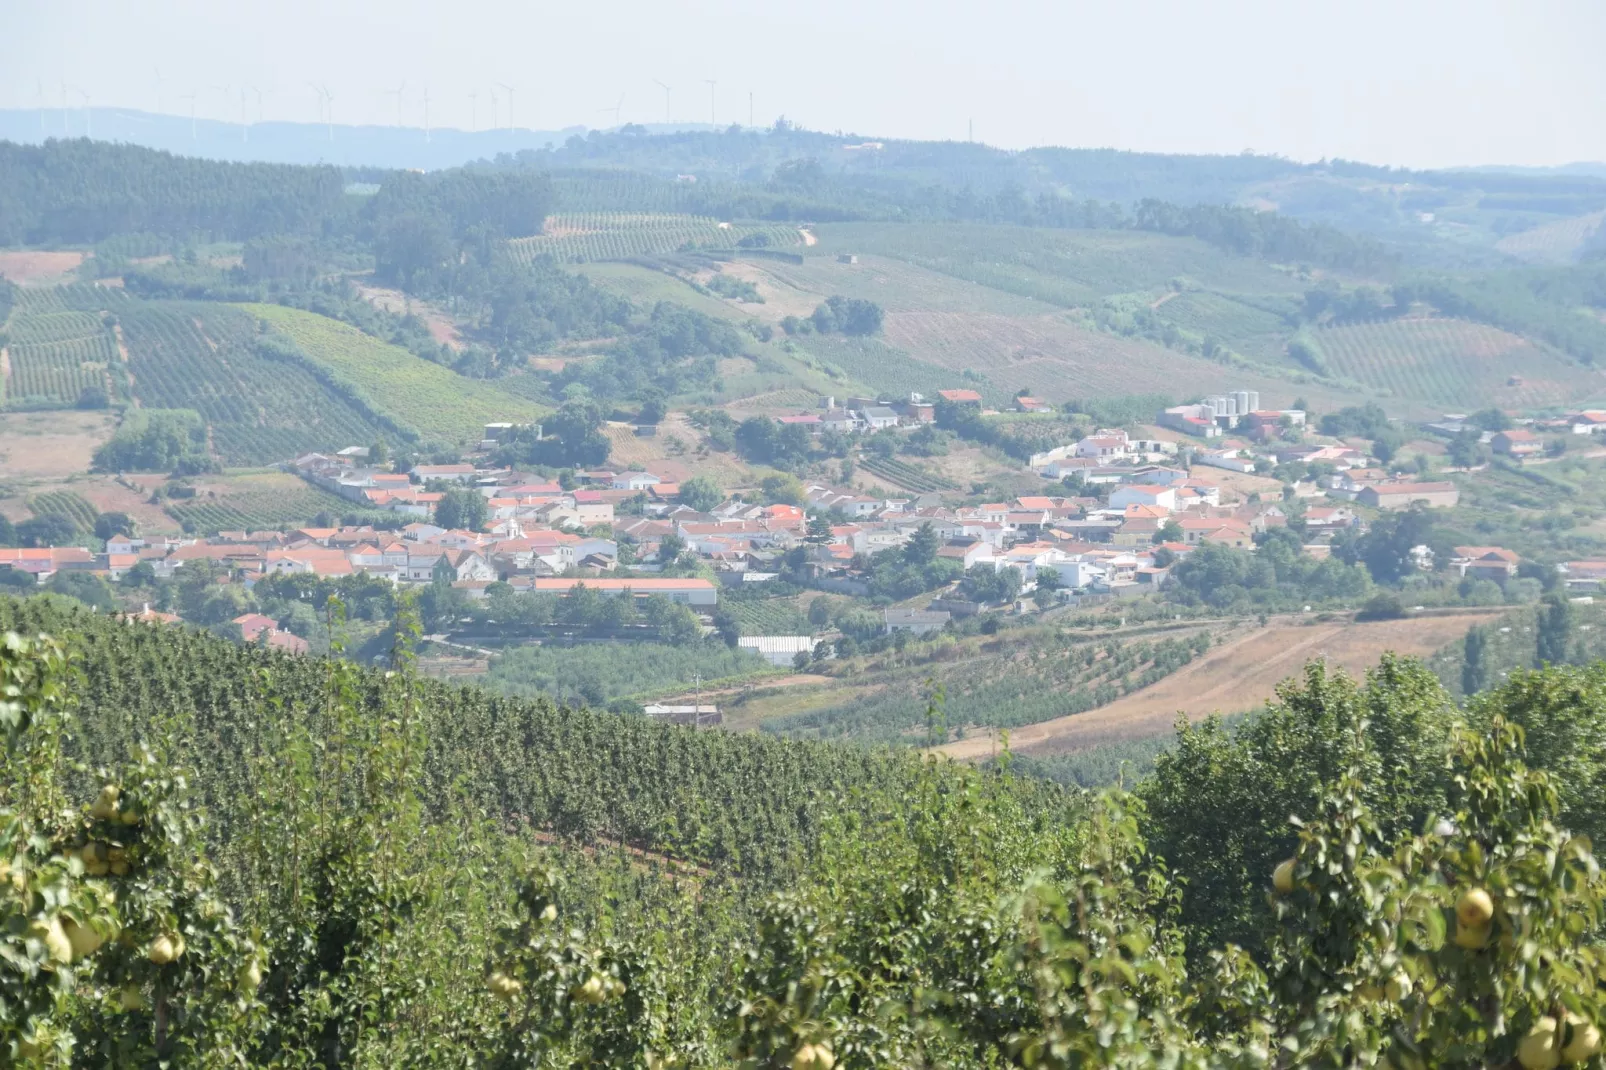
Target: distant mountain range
[[286, 142], [408, 147]]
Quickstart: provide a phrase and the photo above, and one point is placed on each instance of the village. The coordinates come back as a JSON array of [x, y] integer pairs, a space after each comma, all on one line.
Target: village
[[1118, 513]]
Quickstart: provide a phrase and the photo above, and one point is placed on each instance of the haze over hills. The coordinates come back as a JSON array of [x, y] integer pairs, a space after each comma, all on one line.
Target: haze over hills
[[698, 597]]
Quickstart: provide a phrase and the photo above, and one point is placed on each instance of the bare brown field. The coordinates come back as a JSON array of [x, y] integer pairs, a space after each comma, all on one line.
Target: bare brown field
[[440, 325], [109, 496], [656, 456], [24, 268], [1237, 675], [50, 445]]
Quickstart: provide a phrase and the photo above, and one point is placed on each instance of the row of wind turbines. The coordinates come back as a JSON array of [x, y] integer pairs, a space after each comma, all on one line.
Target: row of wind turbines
[[500, 94]]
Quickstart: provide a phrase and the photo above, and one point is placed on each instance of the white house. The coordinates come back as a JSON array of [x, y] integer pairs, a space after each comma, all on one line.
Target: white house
[[1144, 494], [1104, 445]]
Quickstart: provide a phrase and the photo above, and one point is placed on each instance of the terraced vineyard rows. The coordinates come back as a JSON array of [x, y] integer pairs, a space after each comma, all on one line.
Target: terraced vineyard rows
[[905, 474], [201, 357], [65, 503], [586, 236], [260, 503], [1454, 363]]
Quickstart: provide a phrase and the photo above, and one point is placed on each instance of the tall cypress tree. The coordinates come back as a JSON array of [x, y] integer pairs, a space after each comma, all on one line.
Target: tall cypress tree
[[1555, 629], [1474, 661]]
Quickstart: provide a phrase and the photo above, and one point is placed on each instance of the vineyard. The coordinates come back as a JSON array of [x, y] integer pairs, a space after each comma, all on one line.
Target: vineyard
[[884, 369], [771, 616], [588, 236], [432, 399], [64, 503], [789, 399], [1004, 683], [255, 503], [57, 352], [74, 297], [904, 474], [1455, 364], [259, 410], [1552, 243]]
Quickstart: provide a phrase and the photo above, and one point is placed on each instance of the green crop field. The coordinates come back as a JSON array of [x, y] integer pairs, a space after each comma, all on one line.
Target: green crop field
[[73, 297], [1258, 330], [770, 617], [1035, 675], [55, 353], [790, 398], [583, 236], [647, 286], [65, 503], [1065, 267], [201, 356], [905, 475], [1456, 364], [255, 503], [888, 370], [434, 400]]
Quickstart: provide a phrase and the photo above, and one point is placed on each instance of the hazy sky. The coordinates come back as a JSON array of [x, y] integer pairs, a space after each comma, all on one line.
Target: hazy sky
[[1414, 82]]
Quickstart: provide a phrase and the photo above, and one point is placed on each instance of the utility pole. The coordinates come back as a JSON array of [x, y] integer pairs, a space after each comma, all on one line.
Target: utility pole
[[697, 701]]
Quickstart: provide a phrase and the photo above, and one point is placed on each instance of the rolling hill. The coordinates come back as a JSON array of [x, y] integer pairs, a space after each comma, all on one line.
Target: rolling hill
[[1456, 364]]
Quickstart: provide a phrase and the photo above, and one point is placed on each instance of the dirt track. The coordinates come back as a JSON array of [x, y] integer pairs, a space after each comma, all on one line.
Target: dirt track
[[1236, 676]]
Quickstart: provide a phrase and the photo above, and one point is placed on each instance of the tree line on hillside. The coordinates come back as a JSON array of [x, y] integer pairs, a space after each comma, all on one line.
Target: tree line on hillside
[[1365, 873]]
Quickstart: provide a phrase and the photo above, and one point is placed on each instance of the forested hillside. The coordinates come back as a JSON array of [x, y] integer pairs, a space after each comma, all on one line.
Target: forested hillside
[[304, 862]]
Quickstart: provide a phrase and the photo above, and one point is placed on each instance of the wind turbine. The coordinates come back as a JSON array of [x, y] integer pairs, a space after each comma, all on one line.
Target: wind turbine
[[474, 111], [89, 130], [326, 107], [397, 93], [665, 88], [426, 115], [64, 108], [190, 96], [41, 95], [711, 84], [245, 129], [495, 125], [158, 71], [509, 91], [615, 109]]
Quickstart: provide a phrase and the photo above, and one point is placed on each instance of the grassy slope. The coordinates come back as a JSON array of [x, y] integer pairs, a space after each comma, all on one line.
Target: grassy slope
[[433, 399], [948, 323]]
